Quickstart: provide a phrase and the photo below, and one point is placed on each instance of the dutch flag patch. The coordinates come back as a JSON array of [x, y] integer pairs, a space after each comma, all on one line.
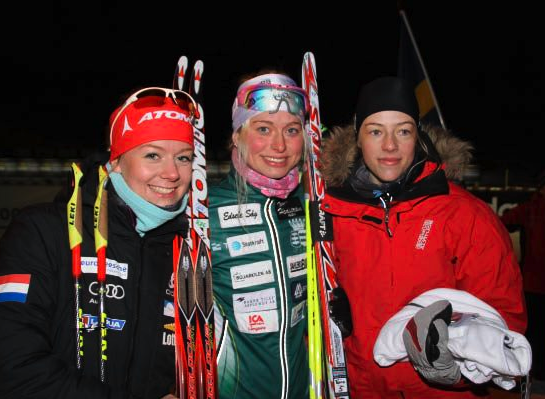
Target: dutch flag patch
[[14, 287]]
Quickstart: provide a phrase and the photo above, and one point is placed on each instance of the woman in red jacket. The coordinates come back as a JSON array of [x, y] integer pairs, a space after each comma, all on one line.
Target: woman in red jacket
[[402, 228]]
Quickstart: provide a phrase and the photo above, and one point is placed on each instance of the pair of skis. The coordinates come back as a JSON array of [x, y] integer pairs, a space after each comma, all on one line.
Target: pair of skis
[[324, 335], [193, 296]]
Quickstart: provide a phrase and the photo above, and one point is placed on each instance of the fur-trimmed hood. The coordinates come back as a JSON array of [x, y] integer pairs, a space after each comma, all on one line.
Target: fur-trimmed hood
[[340, 152]]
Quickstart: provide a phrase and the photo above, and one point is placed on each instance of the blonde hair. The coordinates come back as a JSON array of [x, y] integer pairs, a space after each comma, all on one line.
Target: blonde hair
[[242, 153], [242, 149]]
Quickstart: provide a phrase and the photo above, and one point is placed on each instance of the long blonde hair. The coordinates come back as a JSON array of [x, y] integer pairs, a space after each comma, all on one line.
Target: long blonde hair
[[242, 154]]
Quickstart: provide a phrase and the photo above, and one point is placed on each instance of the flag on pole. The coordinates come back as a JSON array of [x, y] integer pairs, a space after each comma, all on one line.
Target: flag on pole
[[410, 66]]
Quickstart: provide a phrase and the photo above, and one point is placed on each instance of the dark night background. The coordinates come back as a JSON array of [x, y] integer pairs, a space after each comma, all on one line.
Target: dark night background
[[66, 65]]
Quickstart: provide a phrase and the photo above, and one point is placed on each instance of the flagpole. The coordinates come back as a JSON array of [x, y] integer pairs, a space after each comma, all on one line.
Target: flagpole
[[440, 115]]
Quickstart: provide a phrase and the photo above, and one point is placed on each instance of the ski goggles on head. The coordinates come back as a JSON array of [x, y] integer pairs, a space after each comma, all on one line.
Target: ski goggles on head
[[180, 98], [150, 114], [265, 97]]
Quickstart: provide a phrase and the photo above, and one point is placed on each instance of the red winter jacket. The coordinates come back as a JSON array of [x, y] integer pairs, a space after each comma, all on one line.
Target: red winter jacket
[[438, 240], [531, 217]]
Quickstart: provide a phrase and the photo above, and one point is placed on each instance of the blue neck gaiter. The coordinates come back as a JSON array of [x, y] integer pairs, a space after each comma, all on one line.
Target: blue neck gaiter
[[148, 216]]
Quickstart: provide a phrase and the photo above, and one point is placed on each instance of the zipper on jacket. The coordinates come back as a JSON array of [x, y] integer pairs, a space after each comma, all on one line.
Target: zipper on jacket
[[283, 296], [136, 287], [386, 200]]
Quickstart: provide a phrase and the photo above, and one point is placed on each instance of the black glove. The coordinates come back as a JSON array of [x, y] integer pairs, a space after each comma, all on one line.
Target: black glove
[[339, 310], [426, 339]]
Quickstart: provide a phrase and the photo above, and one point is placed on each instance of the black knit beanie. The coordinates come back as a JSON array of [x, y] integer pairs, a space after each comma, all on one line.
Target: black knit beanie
[[386, 94]]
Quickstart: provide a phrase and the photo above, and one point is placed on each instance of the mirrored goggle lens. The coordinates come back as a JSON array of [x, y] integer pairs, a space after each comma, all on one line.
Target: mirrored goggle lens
[[274, 100]]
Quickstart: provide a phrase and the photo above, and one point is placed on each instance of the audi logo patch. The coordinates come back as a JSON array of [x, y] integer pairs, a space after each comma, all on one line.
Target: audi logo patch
[[113, 291]]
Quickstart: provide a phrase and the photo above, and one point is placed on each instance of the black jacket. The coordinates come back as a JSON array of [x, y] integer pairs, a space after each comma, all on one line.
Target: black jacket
[[37, 338]]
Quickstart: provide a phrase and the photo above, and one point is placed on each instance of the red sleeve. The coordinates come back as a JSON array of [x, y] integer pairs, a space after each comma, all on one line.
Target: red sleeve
[[487, 267]]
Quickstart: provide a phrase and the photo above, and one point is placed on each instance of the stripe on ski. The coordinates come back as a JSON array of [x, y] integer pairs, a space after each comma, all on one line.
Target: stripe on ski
[[325, 272]]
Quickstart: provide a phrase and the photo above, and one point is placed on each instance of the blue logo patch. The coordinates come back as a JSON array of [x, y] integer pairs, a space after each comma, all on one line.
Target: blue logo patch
[[90, 322]]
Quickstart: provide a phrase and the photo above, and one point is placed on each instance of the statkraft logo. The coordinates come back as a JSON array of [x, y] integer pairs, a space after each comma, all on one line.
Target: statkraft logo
[[247, 243]]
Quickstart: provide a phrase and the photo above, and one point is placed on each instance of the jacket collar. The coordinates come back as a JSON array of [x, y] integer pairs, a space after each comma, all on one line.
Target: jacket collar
[[432, 181], [121, 219]]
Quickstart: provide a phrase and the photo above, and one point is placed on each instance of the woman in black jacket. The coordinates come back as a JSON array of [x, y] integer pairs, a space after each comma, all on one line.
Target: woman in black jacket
[[131, 353]]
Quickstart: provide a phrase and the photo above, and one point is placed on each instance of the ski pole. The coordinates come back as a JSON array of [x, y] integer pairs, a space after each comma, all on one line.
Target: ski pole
[[314, 323], [100, 227], [73, 209]]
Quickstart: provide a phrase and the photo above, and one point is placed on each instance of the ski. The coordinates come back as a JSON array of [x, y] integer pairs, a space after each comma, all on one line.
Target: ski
[[201, 246], [185, 325], [179, 73], [197, 354], [184, 296], [321, 273]]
